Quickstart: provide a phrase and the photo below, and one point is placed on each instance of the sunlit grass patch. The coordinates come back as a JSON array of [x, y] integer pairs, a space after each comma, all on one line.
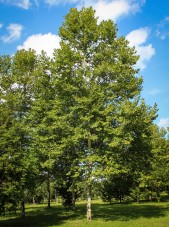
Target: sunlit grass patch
[[151, 214]]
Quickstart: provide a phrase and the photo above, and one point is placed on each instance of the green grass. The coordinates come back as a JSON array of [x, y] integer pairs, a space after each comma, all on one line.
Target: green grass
[[117, 215]]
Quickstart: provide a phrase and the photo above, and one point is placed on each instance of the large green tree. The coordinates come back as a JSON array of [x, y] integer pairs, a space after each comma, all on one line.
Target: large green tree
[[97, 78]]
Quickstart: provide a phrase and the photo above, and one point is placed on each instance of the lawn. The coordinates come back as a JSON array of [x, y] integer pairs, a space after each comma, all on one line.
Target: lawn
[[117, 215]]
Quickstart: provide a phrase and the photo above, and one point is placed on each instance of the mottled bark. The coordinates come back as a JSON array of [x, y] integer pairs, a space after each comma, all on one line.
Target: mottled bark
[[33, 200], [89, 210]]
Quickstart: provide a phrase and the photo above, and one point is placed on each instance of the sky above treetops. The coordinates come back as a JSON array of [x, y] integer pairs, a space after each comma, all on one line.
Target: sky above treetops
[[145, 23]]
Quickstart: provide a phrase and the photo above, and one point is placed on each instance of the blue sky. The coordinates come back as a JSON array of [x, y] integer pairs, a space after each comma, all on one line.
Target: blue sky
[[145, 23]]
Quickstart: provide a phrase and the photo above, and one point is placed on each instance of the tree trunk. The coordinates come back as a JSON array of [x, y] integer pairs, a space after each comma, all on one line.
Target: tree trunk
[[23, 208], [73, 196], [23, 203], [56, 196], [120, 199], [89, 210], [48, 190], [138, 195], [33, 200], [158, 196], [150, 197]]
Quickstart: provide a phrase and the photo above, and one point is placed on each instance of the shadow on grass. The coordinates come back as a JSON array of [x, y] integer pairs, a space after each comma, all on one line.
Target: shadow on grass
[[42, 217], [126, 212]]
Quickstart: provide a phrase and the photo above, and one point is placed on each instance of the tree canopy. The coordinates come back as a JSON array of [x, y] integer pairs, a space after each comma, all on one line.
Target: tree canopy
[[78, 119]]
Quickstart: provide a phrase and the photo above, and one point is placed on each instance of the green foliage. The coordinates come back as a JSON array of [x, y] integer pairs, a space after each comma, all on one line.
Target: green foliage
[[108, 123], [18, 162], [95, 83], [116, 187], [77, 120]]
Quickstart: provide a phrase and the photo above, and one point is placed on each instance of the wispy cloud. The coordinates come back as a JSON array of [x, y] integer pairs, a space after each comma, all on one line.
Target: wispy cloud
[[25, 4], [164, 122], [1, 25], [14, 31], [56, 2], [154, 91], [138, 38], [47, 42], [162, 30]]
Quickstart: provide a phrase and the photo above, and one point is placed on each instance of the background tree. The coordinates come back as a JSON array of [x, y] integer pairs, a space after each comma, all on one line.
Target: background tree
[[69, 178], [157, 179], [46, 121], [116, 187], [18, 161]]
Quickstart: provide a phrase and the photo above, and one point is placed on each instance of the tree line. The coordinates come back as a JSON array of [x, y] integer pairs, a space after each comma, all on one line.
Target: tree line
[[77, 122]]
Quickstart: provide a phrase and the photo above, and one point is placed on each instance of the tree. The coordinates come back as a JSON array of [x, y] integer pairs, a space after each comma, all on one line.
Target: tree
[[98, 86], [5, 117], [157, 179], [18, 160], [46, 121], [69, 178], [117, 186]]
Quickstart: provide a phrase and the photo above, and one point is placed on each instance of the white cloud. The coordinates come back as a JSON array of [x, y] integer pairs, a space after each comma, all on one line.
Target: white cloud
[[14, 33], [47, 42], [164, 122], [137, 38], [1, 25], [25, 4], [113, 9], [105, 9]]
